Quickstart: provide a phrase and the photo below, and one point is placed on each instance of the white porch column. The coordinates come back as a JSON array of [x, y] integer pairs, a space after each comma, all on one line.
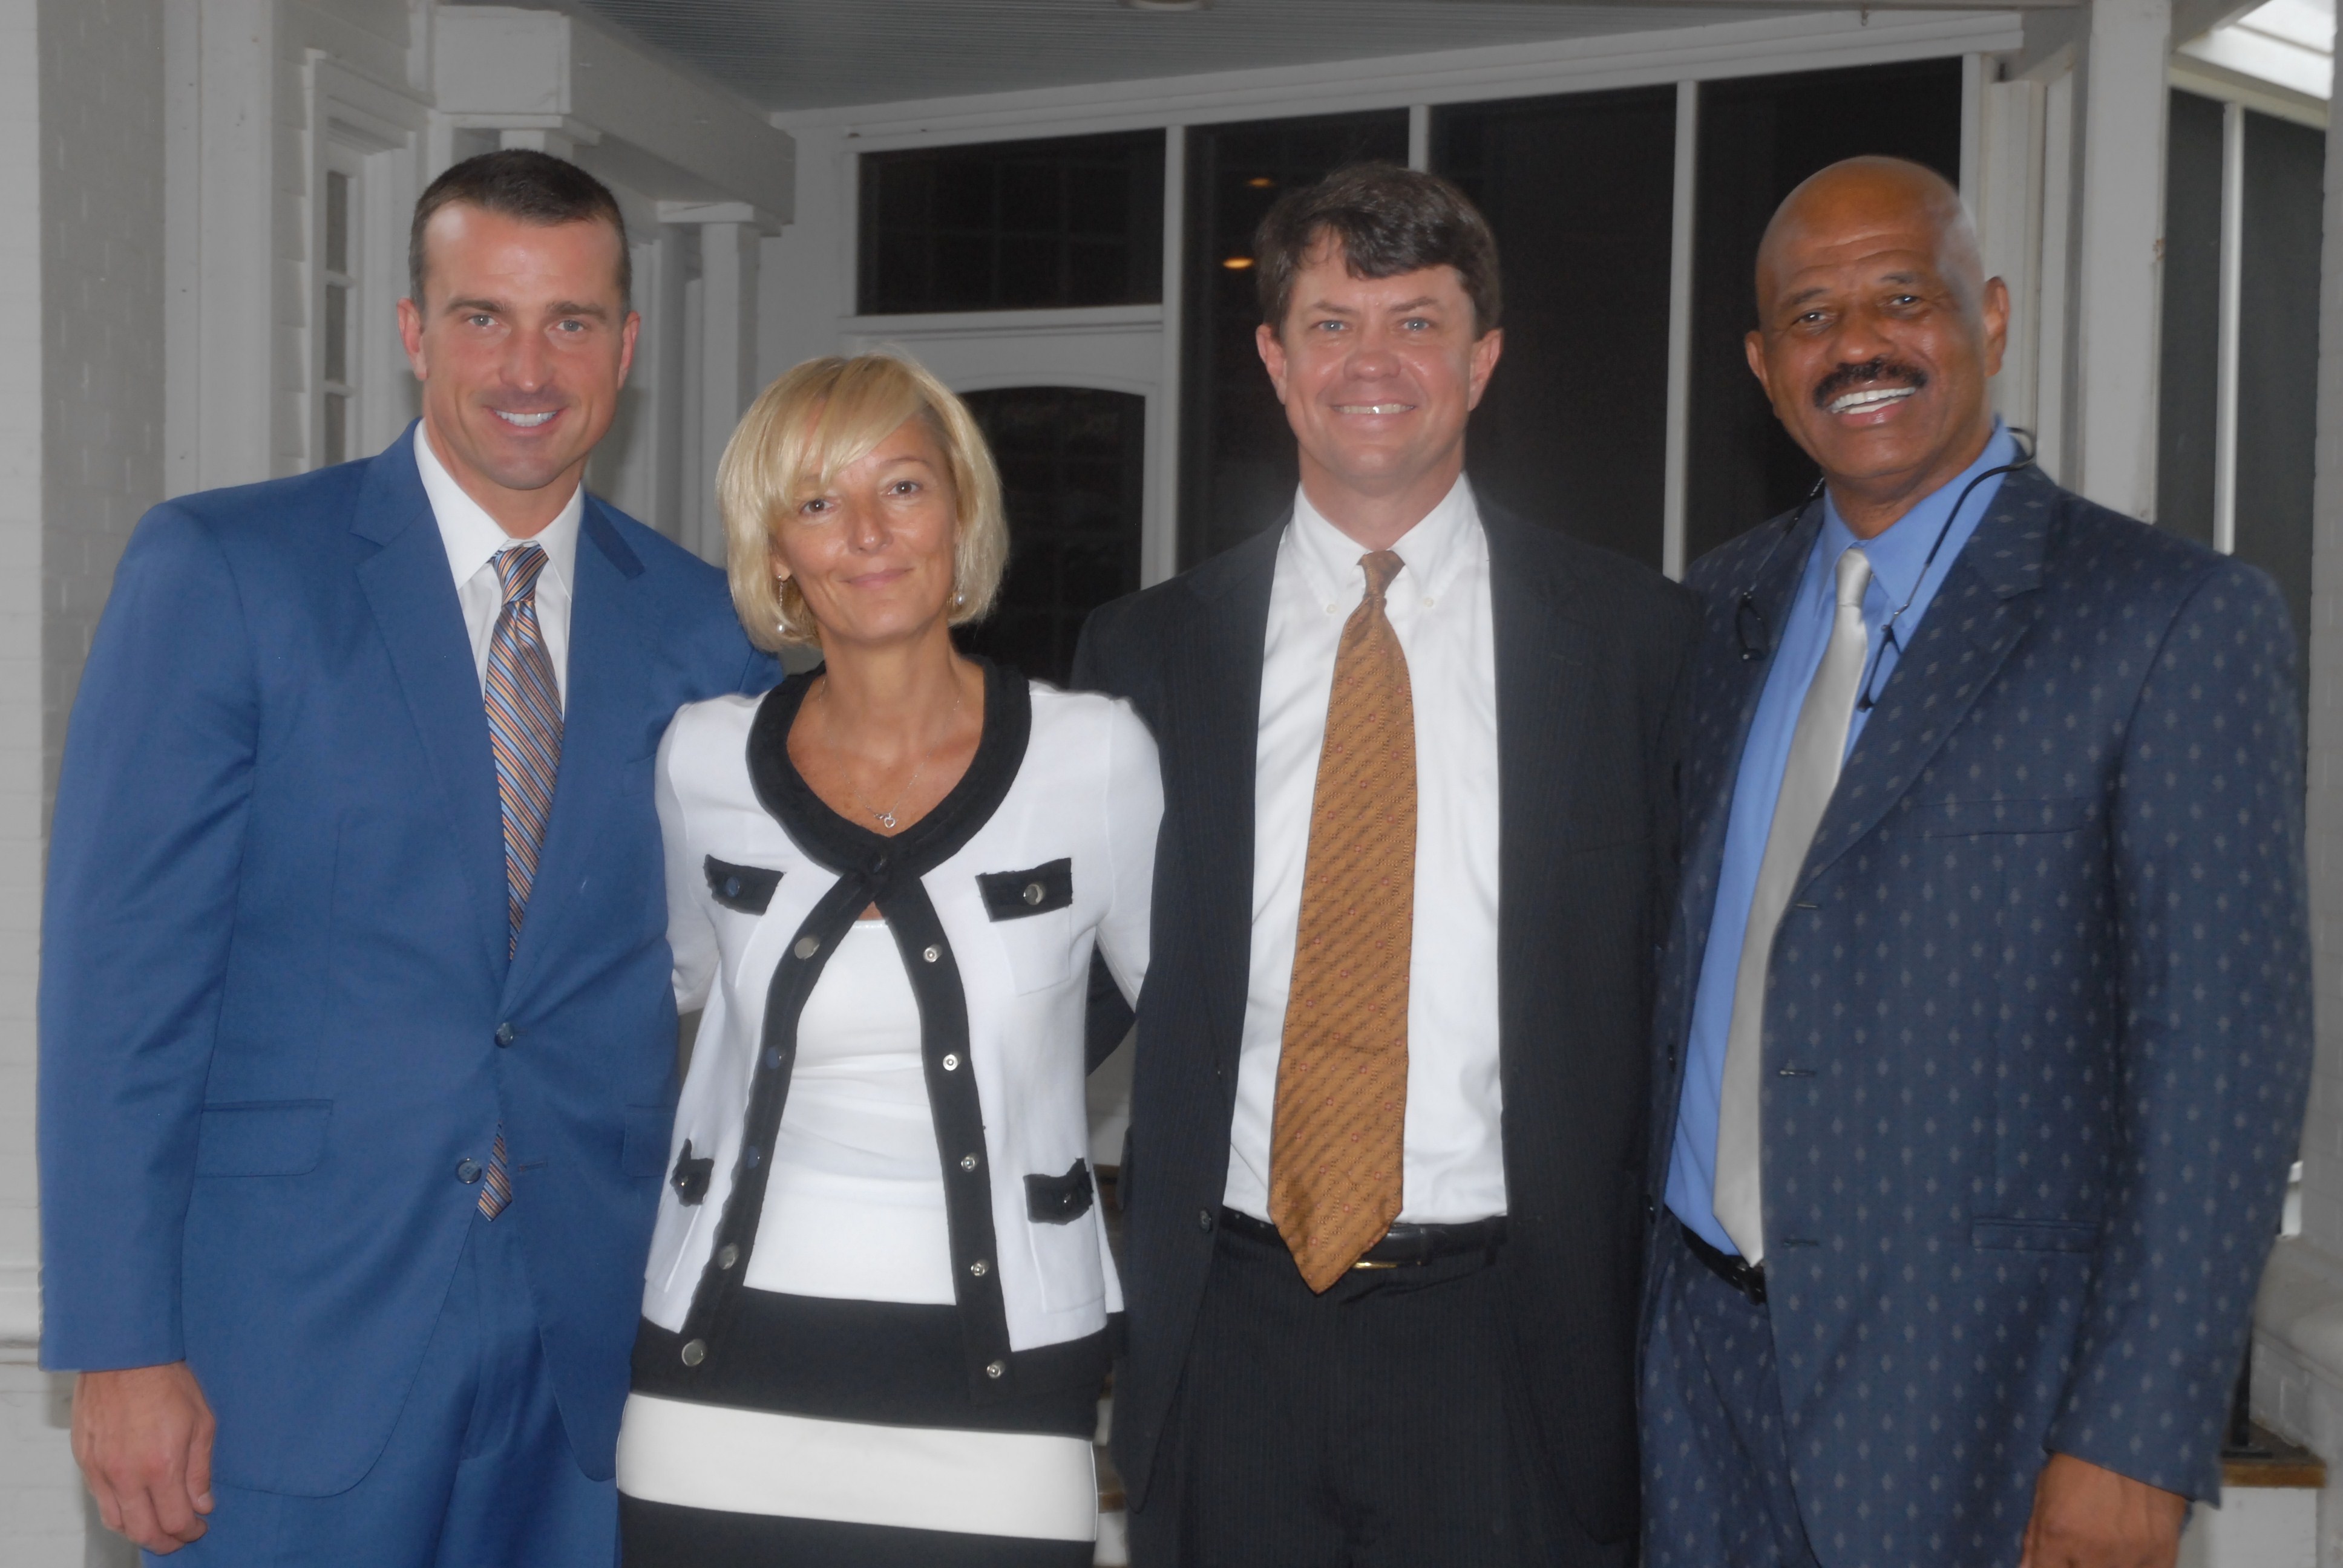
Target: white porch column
[[2122, 234], [728, 361]]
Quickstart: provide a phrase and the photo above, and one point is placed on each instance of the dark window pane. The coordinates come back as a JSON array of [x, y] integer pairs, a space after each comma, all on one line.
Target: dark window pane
[[335, 446], [337, 333], [1237, 464], [995, 227], [1580, 191], [1758, 138], [1074, 463], [2189, 380], [337, 222], [2278, 351]]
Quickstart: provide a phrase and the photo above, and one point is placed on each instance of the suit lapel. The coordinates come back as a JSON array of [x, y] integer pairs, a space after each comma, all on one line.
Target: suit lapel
[[1544, 664], [406, 584], [1984, 606], [1214, 686], [1730, 686], [602, 727]]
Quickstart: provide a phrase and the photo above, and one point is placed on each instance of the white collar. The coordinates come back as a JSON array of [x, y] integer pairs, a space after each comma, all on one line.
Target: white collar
[[1435, 548], [473, 537]]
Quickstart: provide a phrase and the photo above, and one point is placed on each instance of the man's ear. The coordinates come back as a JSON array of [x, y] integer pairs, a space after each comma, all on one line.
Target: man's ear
[[1995, 308], [410, 333], [1486, 350], [1755, 346], [1272, 348]]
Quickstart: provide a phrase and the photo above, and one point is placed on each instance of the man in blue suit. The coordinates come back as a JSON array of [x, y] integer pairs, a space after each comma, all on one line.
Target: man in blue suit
[[357, 1047], [1986, 1015]]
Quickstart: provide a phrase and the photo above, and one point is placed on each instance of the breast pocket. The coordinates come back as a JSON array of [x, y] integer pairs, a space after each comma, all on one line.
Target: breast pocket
[[1033, 919]]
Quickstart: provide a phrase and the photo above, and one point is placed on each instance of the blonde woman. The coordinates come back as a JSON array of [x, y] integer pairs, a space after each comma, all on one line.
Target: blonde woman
[[876, 1319]]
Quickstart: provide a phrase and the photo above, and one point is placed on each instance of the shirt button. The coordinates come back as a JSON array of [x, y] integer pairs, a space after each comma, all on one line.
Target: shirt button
[[727, 1256], [996, 1368], [933, 954], [468, 1172], [1203, 1219], [968, 1161], [807, 947], [1427, 601], [951, 1064], [695, 1352], [507, 1033], [1330, 610], [979, 1268]]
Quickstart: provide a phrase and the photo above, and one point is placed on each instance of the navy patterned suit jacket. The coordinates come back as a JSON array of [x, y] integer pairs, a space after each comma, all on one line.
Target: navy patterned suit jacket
[[2038, 1025]]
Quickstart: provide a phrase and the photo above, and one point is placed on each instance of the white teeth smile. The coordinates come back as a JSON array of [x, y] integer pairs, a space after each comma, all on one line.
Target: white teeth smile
[[1875, 398], [526, 421], [1373, 407]]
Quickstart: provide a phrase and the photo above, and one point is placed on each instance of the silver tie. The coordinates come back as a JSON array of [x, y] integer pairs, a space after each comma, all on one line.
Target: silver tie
[[1817, 747]]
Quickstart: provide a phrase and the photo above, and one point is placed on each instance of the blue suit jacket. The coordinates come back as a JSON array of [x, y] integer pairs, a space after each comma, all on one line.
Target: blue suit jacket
[[2038, 1024], [274, 965]]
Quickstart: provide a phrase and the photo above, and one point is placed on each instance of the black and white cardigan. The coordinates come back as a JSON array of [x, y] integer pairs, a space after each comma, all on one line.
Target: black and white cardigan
[[997, 898]]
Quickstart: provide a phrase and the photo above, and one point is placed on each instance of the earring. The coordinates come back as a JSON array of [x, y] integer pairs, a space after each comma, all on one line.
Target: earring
[[959, 599]]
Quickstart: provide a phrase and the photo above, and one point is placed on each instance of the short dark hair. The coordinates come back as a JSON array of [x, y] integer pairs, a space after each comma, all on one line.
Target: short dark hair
[[1388, 220], [533, 186]]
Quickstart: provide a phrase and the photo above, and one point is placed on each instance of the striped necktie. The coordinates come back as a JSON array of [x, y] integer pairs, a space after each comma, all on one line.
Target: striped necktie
[[1337, 1145], [525, 732]]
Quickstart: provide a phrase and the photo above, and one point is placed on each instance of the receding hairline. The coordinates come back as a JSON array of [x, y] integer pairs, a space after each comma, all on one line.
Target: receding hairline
[[1898, 180]]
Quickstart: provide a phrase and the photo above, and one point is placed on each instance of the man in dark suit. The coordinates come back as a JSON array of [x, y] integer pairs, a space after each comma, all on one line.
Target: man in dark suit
[[1986, 1017], [1383, 1180], [357, 1044]]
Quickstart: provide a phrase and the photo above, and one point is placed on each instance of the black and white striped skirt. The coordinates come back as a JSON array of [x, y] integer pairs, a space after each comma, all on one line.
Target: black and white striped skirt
[[846, 1435]]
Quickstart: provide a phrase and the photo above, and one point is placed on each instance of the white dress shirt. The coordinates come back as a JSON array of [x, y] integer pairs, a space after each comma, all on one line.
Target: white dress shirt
[[1439, 605], [473, 540]]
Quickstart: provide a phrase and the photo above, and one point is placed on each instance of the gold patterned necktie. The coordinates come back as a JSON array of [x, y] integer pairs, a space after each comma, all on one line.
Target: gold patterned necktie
[[1335, 1149]]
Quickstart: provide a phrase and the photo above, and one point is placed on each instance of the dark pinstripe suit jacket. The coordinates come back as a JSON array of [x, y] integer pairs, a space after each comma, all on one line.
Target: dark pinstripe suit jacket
[[2038, 1025], [1591, 651]]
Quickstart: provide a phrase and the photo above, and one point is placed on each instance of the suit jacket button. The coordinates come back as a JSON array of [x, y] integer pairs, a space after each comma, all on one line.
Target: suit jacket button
[[979, 1268], [731, 887], [807, 947], [728, 1256], [996, 1368], [507, 1033], [468, 1172], [1203, 1219], [1033, 893], [695, 1352]]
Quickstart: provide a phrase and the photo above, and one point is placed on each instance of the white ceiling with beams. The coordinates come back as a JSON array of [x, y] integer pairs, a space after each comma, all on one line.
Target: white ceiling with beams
[[795, 54]]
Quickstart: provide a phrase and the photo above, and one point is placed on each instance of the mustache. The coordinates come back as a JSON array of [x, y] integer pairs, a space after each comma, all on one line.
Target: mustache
[[1847, 377]]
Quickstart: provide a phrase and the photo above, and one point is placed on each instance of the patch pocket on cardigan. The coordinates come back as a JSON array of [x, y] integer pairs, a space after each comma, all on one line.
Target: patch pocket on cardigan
[[262, 1138], [747, 888], [1020, 895], [1059, 1200], [1965, 818], [2036, 1235]]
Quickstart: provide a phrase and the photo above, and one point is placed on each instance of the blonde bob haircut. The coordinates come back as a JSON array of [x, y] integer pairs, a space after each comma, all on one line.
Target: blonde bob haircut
[[791, 444]]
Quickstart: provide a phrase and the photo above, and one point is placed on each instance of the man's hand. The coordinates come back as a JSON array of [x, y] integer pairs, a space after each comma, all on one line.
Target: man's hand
[[143, 1437], [2087, 1517]]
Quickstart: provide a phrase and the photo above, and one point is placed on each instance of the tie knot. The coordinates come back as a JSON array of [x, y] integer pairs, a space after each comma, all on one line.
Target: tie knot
[[1381, 566], [517, 569], [1853, 576]]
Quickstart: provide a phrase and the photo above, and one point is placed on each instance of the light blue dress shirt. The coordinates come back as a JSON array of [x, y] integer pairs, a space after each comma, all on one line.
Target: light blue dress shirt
[[1896, 558]]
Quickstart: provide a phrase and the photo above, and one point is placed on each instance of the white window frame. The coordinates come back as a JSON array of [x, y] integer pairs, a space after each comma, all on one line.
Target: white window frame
[[373, 135]]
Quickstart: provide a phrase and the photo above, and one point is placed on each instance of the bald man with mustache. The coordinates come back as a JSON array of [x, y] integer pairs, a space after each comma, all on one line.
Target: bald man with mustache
[[1984, 1018]]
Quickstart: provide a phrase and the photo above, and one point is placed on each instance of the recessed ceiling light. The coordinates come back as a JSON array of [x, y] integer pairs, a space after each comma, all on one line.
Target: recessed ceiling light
[[1237, 263], [1169, 5], [1261, 182]]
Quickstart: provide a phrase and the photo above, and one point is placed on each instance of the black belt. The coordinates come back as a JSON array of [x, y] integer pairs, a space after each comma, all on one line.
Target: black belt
[[1743, 1275], [1402, 1246]]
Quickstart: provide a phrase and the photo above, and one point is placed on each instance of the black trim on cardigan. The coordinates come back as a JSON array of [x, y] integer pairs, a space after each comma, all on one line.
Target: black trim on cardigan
[[875, 870]]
